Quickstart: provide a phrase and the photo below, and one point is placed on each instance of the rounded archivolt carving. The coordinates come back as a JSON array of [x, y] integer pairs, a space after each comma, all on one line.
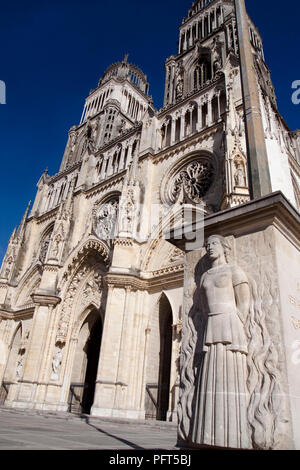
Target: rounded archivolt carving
[[191, 181], [105, 219]]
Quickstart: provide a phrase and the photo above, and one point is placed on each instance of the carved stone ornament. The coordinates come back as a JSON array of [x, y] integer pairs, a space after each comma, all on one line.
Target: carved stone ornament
[[20, 364], [231, 393], [80, 293], [195, 180], [105, 218], [56, 362]]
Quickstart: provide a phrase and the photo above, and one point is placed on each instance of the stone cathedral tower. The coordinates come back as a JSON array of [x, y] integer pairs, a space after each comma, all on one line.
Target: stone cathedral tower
[[91, 293]]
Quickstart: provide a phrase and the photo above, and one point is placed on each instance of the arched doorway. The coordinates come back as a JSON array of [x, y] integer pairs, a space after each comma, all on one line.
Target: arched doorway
[[14, 368], [159, 362], [85, 366]]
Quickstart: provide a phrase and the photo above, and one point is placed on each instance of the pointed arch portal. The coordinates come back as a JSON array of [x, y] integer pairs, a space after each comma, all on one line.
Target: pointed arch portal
[[159, 362], [84, 373]]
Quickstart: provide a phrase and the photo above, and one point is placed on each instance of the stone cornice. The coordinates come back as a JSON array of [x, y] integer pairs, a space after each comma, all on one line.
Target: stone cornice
[[22, 314], [46, 216], [170, 277], [273, 209], [64, 172], [113, 180], [45, 299]]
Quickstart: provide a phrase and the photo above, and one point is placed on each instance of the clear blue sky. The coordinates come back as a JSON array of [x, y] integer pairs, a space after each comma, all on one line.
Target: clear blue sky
[[54, 52]]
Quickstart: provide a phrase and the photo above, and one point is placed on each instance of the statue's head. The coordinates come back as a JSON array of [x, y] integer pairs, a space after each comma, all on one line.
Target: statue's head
[[217, 246]]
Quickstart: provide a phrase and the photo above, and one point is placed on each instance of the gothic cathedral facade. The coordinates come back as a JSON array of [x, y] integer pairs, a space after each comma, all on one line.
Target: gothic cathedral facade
[[91, 292]]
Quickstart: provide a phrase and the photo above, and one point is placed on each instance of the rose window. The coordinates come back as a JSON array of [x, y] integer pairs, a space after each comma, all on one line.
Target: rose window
[[195, 180]]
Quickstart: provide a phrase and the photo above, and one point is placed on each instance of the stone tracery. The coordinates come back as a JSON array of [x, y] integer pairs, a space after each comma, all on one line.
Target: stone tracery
[[195, 180]]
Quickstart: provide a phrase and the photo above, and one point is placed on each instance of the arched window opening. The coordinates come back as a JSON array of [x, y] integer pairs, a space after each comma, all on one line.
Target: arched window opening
[[215, 109], [204, 115], [222, 102], [194, 119], [44, 245], [177, 129]]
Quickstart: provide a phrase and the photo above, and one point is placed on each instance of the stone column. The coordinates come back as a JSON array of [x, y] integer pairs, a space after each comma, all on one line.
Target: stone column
[[199, 123], [219, 108], [28, 395], [121, 164], [184, 42], [129, 155], [182, 122], [108, 362], [209, 112], [191, 120], [173, 127]]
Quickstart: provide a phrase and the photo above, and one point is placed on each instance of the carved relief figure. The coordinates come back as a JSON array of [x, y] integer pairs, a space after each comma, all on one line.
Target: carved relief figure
[[230, 393], [56, 362], [89, 144], [179, 81], [216, 56], [56, 246], [9, 265], [128, 212], [44, 249], [106, 220], [19, 369]]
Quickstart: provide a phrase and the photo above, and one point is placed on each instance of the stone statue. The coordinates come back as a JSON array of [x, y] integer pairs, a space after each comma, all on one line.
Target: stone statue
[[225, 300], [19, 366], [179, 80], [230, 384], [239, 177], [56, 362], [55, 250], [128, 213]]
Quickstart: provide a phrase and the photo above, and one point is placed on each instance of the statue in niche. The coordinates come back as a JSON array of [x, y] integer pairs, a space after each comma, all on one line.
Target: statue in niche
[[239, 176], [56, 362], [19, 369], [128, 212], [121, 126], [230, 385], [216, 56], [89, 140], [179, 81], [56, 246], [9, 265]]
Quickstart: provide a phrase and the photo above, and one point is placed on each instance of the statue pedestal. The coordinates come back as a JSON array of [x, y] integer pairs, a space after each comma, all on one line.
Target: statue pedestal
[[231, 397]]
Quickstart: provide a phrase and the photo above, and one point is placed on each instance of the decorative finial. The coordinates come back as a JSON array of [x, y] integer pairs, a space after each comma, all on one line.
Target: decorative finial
[[125, 58], [46, 170]]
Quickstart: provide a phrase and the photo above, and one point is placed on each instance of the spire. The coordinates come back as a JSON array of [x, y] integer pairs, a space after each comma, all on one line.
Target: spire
[[23, 221]]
